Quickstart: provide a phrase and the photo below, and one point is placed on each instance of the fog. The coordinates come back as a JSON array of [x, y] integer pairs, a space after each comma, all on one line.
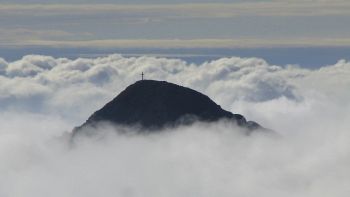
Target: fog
[[308, 155]]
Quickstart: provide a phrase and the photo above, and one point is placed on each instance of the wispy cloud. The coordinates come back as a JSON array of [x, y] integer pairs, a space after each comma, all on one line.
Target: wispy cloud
[[191, 43], [216, 10], [25, 34], [227, 25]]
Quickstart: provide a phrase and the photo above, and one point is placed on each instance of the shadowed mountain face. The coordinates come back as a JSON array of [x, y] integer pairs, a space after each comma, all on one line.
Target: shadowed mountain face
[[153, 105]]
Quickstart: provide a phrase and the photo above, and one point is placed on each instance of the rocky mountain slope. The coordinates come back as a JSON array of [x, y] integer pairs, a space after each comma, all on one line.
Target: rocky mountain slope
[[153, 105]]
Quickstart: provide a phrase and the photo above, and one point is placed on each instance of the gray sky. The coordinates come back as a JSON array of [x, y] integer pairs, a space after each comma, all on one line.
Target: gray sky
[[174, 23], [122, 1]]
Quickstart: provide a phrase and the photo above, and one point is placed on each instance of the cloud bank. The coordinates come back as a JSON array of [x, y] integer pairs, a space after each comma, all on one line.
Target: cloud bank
[[41, 97], [43, 83]]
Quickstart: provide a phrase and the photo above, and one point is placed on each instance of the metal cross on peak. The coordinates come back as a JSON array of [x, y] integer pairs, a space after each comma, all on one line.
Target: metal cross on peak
[[142, 76]]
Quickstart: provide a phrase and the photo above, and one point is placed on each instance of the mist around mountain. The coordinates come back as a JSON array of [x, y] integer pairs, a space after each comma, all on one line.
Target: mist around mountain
[[42, 97]]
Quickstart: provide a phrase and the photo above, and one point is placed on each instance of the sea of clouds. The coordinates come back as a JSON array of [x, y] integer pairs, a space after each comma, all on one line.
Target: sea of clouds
[[42, 98]]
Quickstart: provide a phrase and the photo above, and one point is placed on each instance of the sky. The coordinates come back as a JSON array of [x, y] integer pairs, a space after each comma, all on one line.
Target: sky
[[115, 26], [175, 23], [283, 64]]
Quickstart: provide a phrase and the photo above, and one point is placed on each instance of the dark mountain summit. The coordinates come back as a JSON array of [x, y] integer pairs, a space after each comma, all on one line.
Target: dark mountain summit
[[153, 105]]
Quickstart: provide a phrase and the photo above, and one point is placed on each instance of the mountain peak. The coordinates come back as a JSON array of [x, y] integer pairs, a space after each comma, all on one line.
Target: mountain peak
[[153, 105]]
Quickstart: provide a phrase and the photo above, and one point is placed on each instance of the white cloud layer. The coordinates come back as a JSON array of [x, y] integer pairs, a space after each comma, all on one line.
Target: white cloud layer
[[44, 83], [41, 97]]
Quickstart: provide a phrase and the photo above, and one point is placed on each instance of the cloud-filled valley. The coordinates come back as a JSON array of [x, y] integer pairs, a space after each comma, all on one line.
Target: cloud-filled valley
[[42, 97]]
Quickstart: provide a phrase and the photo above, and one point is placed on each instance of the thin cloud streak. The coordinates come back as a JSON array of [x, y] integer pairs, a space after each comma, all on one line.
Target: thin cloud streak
[[182, 43], [243, 24], [187, 10]]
